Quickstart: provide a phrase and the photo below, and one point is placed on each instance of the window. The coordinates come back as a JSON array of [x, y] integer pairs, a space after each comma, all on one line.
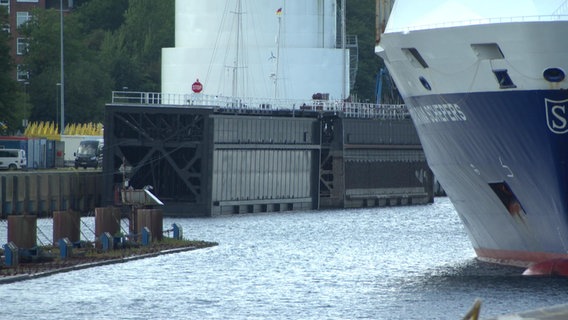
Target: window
[[5, 3], [36, 1], [23, 74], [6, 28], [415, 57], [9, 153], [22, 17], [425, 83], [22, 46]]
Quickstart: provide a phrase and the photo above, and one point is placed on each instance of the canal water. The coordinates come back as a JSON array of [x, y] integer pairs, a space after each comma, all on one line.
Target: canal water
[[379, 263]]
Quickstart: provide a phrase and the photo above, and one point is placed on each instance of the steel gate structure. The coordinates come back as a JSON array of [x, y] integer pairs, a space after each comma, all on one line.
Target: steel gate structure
[[164, 147], [204, 160]]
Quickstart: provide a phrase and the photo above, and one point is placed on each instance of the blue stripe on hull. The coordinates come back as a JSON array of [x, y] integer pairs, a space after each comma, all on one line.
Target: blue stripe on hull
[[476, 139]]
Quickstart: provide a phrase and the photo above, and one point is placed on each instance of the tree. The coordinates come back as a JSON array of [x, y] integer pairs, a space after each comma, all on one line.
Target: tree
[[134, 51], [8, 86], [361, 21], [107, 15], [109, 44], [87, 85]]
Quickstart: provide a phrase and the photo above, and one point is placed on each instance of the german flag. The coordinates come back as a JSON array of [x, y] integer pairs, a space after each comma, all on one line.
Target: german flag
[[279, 12]]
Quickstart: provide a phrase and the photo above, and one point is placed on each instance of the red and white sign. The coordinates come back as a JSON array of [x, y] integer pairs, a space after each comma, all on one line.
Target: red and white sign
[[197, 86]]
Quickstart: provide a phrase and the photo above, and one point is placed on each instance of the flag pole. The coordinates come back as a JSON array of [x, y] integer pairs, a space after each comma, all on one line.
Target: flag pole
[[279, 13]]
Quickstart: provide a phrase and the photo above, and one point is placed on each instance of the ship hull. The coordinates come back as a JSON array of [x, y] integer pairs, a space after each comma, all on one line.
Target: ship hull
[[503, 170], [500, 150]]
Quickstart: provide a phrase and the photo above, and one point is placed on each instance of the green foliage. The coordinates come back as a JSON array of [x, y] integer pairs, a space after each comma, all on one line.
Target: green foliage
[[361, 22], [134, 51], [105, 15], [8, 86], [87, 86]]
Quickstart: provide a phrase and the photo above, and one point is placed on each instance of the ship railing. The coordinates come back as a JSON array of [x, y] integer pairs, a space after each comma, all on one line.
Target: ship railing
[[246, 105], [480, 21]]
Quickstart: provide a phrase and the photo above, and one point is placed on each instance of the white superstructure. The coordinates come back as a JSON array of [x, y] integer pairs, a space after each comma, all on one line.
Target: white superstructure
[[453, 46], [256, 48], [408, 15]]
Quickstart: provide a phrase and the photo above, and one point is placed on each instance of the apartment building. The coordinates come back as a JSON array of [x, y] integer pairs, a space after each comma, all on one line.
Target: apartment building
[[20, 11]]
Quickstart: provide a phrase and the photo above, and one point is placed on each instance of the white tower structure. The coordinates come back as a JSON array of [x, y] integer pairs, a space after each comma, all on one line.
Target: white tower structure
[[283, 49]]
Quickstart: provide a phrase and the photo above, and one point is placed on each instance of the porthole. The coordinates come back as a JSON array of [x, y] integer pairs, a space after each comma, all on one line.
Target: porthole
[[553, 74], [425, 83]]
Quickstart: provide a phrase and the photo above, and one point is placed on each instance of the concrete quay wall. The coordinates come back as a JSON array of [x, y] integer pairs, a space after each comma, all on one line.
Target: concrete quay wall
[[43, 192]]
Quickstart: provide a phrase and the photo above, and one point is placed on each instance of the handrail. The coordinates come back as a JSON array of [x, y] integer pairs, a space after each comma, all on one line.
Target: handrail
[[562, 8], [347, 109]]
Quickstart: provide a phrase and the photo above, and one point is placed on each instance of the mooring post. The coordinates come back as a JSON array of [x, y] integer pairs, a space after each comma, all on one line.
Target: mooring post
[[107, 241], [65, 248], [11, 254], [178, 231], [146, 236]]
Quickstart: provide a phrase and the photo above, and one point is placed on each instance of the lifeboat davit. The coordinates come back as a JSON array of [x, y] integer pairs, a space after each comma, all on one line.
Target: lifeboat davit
[[554, 267]]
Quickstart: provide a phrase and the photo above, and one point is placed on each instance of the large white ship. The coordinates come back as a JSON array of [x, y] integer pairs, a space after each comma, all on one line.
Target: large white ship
[[485, 83]]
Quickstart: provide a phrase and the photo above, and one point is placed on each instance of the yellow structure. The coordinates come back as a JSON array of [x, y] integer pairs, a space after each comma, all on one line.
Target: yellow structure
[[50, 130]]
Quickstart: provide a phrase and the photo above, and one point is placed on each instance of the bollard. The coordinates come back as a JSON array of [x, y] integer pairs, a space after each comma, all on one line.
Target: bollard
[[146, 236], [107, 241], [65, 248], [22, 230], [178, 231], [11, 254], [151, 218], [107, 220], [66, 224], [118, 241]]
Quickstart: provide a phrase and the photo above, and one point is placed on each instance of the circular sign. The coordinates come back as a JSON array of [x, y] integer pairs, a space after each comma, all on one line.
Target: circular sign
[[197, 86]]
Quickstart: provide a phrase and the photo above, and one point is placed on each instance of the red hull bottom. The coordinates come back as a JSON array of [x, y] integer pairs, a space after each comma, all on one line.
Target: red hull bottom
[[555, 267], [517, 258]]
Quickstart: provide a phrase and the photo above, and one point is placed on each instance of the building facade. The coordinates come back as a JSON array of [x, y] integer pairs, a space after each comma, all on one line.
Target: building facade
[[20, 12]]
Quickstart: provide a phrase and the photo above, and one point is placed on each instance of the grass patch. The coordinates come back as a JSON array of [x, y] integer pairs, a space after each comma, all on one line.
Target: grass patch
[[47, 259]]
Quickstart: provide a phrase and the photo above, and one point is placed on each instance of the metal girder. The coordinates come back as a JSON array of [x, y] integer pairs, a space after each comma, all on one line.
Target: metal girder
[[161, 147], [328, 134], [326, 173]]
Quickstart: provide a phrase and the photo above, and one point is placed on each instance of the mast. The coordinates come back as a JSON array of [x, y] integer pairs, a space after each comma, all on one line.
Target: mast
[[279, 14], [236, 66], [343, 49], [62, 88]]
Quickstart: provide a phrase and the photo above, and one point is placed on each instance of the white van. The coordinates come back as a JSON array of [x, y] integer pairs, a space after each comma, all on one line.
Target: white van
[[13, 159]]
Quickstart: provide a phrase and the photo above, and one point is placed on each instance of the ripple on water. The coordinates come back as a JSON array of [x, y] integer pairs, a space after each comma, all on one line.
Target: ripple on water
[[386, 263]]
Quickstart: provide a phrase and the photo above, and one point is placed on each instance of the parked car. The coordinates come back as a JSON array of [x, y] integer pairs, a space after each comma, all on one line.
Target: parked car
[[89, 154], [13, 159]]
